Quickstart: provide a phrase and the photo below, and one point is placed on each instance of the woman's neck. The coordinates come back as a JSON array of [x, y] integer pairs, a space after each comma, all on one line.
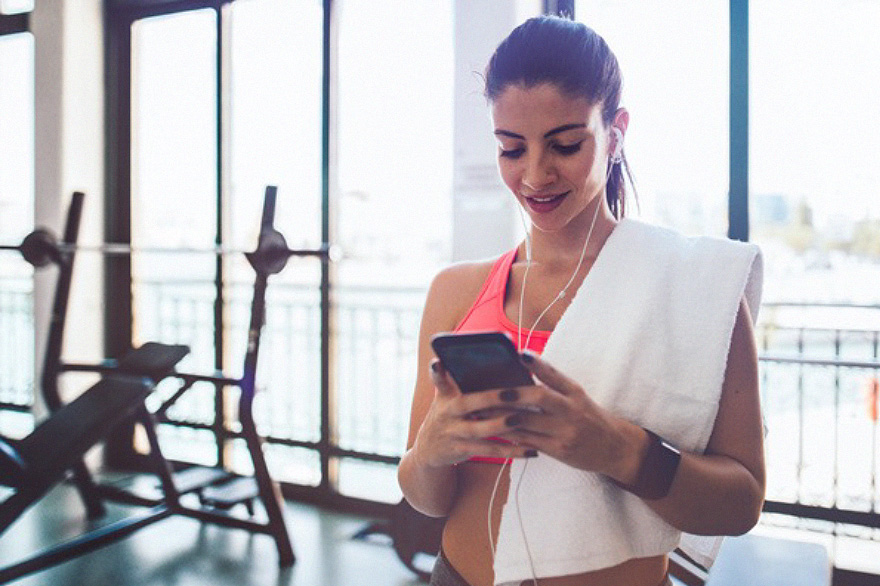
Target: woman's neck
[[562, 249]]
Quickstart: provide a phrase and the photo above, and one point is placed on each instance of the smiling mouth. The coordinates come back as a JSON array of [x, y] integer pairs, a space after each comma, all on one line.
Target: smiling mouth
[[548, 199], [545, 204]]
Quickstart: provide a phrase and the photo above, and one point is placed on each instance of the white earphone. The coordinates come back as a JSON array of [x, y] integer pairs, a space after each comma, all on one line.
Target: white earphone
[[614, 158], [617, 152]]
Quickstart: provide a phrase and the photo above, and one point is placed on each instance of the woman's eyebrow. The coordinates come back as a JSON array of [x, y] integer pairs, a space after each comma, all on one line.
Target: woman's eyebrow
[[510, 134], [563, 128], [547, 134]]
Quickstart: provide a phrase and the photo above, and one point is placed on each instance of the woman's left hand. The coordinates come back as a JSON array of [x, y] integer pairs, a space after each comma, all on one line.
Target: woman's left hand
[[558, 418]]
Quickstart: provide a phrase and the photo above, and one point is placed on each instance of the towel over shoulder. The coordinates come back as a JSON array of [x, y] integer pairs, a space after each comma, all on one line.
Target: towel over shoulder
[[647, 336]]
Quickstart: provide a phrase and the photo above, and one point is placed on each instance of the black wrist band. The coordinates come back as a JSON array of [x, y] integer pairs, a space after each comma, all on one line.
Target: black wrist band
[[657, 470]]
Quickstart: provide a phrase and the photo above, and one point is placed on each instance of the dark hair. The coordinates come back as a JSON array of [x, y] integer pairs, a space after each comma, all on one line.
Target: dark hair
[[571, 56]]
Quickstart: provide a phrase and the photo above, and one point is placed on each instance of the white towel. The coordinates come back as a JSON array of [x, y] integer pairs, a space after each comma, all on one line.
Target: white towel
[[647, 336]]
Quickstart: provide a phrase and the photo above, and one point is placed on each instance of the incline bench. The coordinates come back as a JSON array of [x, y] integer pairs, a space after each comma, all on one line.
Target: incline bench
[[34, 465]]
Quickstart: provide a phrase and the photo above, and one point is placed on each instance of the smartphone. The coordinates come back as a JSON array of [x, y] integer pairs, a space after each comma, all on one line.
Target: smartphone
[[481, 361]]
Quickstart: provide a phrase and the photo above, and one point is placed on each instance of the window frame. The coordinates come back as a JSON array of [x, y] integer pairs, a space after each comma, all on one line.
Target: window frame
[[119, 18], [13, 24], [120, 15]]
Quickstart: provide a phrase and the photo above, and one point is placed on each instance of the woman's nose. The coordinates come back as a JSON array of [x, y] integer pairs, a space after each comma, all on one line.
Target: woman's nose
[[538, 174]]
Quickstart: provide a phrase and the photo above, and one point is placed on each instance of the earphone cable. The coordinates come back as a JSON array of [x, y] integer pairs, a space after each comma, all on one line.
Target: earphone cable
[[522, 347], [561, 293], [492, 543], [522, 528]]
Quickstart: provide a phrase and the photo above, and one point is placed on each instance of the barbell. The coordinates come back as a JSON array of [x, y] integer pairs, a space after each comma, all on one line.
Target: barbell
[[41, 248]]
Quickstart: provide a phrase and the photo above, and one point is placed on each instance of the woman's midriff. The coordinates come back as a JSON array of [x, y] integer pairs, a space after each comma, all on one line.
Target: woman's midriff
[[466, 537]]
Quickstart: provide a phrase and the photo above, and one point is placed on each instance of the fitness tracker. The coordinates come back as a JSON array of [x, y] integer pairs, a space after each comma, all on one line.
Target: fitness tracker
[[657, 470]]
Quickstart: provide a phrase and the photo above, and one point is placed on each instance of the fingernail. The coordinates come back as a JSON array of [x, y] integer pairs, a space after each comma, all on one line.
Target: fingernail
[[513, 420], [509, 395], [531, 453], [527, 357]]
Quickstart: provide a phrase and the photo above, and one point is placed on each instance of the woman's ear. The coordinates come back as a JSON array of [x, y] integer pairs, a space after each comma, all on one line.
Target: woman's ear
[[621, 120], [617, 132]]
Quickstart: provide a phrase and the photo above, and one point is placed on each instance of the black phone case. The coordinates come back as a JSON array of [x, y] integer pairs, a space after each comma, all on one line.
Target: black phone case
[[481, 361]]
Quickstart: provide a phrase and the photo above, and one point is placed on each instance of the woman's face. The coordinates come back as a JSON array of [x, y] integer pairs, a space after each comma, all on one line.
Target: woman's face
[[552, 153]]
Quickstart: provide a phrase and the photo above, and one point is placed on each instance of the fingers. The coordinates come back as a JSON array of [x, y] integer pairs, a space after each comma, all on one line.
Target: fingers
[[485, 438], [499, 424], [524, 425], [496, 449], [464, 450], [548, 375], [489, 404], [554, 397], [441, 379]]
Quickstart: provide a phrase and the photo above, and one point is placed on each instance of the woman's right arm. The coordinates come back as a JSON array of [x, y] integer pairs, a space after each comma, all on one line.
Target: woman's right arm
[[428, 487], [440, 432]]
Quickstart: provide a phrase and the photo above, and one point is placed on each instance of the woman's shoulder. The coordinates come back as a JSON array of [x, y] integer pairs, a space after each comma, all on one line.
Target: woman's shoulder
[[455, 287], [462, 279]]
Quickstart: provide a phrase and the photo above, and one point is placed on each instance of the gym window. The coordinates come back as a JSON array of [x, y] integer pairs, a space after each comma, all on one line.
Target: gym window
[[226, 98], [16, 216]]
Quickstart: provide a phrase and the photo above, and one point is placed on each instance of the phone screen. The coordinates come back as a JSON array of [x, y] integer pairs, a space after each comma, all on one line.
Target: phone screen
[[481, 361]]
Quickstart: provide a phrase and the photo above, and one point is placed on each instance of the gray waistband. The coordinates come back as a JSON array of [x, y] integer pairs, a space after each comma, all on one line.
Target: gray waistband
[[444, 574]]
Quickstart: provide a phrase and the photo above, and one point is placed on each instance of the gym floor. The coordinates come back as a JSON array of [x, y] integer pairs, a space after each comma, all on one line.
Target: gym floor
[[183, 552]]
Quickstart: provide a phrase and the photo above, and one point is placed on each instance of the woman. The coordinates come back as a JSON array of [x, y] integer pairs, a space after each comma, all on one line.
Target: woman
[[554, 90]]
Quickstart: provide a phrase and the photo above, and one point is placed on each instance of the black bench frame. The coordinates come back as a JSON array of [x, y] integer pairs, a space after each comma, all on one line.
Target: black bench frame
[[269, 258]]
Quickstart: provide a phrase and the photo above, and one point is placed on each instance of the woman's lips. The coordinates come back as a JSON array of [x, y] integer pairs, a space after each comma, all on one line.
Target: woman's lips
[[545, 204]]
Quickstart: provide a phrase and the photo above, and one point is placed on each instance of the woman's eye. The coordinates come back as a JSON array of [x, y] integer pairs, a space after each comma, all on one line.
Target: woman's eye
[[568, 149], [512, 153]]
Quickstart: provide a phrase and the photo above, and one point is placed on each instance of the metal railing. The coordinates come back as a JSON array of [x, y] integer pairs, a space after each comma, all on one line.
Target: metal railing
[[819, 376], [818, 381], [16, 344], [374, 337]]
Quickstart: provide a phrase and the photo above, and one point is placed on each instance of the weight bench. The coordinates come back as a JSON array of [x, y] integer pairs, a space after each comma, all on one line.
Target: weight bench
[[217, 489], [32, 466], [36, 463]]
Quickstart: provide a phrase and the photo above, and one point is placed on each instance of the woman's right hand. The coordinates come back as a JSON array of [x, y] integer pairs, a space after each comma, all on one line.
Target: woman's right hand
[[460, 425]]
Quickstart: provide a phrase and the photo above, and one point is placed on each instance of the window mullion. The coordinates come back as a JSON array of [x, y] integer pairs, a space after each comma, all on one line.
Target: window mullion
[[738, 203]]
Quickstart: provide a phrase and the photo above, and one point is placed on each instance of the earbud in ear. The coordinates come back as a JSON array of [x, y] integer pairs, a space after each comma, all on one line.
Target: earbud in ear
[[616, 155]]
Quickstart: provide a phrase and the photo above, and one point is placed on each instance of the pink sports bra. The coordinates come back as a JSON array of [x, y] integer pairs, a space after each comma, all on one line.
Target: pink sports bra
[[487, 314]]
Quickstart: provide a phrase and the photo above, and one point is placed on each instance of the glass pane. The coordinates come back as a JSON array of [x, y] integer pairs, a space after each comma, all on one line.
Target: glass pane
[[174, 178], [174, 195], [286, 464], [369, 480], [393, 212], [815, 136], [814, 142], [275, 106], [16, 220], [275, 139], [675, 61], [16, 6]]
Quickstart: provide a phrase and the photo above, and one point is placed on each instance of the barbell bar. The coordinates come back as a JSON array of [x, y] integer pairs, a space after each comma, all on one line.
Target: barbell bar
[[41, 247]]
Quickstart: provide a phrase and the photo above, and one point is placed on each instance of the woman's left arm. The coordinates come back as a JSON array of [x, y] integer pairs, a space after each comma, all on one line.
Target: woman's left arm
[[719, 492]]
